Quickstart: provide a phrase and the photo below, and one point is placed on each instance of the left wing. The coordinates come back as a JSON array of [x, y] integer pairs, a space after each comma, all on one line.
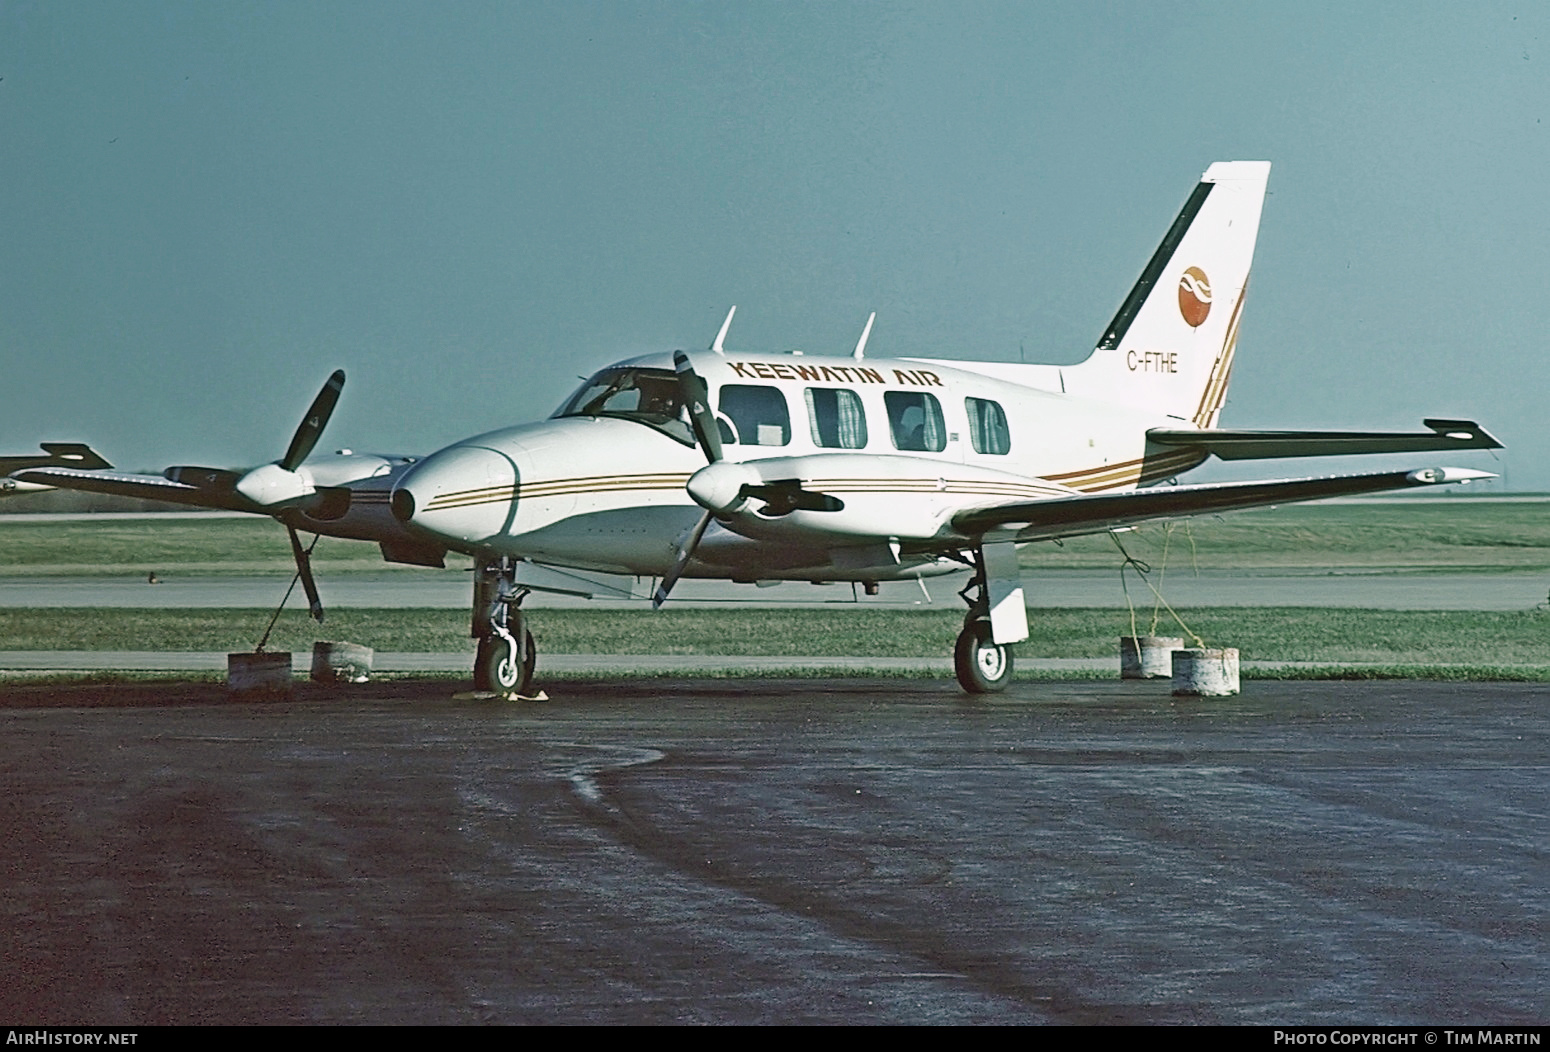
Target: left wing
[[215, 492], [1071, 516]]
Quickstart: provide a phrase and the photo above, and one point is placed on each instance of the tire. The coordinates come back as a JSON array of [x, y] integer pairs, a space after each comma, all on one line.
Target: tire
[[982, 666], [495, 671]]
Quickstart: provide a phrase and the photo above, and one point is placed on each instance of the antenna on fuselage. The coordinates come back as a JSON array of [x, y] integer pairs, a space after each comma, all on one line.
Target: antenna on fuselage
[[861, 343], [722, 335]]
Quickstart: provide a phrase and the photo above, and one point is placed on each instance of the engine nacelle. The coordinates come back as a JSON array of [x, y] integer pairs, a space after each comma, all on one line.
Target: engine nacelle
[[907, 498]]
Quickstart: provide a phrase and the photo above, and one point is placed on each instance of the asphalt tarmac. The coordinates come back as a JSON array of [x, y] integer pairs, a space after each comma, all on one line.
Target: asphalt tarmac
[[845, 851]]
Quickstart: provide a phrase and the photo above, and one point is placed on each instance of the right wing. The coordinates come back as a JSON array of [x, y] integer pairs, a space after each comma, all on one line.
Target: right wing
[[1095, 513], [1258, 445]]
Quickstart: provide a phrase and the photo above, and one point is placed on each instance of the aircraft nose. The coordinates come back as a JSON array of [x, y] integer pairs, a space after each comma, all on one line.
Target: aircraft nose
[[462, 495]]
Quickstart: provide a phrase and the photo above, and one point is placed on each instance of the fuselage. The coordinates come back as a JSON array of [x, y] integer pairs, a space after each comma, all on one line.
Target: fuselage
[[903, 445]]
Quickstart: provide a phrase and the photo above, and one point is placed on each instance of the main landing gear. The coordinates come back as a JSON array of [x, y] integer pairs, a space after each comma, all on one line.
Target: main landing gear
[[982, 665], [506, 655]]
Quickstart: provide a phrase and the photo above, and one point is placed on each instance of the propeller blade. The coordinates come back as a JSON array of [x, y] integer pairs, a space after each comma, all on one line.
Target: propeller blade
[[684, 555], [314, 422], [695, 395], [785, 496], [304, 571]]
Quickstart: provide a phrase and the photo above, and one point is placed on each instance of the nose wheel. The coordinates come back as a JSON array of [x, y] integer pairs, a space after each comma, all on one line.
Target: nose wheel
[[505, 660]]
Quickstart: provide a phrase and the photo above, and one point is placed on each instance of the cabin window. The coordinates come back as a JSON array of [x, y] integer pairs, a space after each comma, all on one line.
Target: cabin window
[[835, 417], [915, 418], [987, 426], [758, 414]]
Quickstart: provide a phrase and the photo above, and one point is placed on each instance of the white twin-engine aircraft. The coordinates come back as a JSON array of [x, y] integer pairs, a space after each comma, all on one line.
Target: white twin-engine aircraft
[[764, 467]]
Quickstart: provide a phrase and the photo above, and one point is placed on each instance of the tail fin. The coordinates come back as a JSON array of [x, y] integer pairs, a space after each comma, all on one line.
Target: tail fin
[[1170, 347]]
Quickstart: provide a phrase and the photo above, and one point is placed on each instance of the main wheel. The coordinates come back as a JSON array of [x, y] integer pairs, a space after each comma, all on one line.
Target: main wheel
[[495, 670], [982, 665]]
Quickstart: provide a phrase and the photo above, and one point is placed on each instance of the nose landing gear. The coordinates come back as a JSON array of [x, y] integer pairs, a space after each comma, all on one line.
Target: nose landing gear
[[506, 656]]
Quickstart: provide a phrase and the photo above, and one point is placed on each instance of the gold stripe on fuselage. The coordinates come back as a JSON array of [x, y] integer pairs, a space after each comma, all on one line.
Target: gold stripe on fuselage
[[1127, 472], [557, 488]]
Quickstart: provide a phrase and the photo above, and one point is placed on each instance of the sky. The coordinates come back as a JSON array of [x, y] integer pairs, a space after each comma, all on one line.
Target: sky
[[206, 208]]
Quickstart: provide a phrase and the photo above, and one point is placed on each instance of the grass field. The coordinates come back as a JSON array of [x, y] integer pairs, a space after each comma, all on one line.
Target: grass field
[[1432, 535], [1436, 535], [218, 545]]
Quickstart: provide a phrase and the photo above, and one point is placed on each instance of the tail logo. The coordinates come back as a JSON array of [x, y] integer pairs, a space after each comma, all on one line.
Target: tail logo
[[1194, 296]]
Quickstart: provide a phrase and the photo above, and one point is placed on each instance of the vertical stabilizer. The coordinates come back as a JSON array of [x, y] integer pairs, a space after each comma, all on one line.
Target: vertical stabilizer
[[1170, 347]]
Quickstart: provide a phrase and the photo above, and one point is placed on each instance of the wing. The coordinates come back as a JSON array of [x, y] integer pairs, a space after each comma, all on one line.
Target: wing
[[213, 488], [146, 487], [195, 486], [1070, 516], [1259, 445]]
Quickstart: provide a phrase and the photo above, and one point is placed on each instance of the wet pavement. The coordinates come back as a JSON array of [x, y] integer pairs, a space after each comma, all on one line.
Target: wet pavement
[[709, 851]]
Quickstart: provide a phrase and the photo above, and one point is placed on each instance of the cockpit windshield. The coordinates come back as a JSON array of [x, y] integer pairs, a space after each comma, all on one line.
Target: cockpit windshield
[[647, 396]]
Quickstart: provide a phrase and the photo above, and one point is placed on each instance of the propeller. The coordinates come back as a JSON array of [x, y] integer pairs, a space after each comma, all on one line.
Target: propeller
[[685, 553], [304, 571], [723, 487], [280, 482], [694, 394], [314, 422]]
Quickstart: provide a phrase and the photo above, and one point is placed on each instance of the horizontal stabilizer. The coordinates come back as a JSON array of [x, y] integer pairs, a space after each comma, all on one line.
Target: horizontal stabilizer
[[1072, 516], [1263, 445], [56, 454]]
